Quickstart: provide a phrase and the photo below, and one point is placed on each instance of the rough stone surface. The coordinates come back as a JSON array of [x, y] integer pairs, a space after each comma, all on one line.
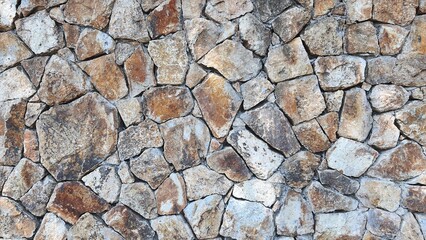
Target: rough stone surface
[[415, 41], [91, 227], [289, 23], [105, 182], [12, 50], [93, 43], [139, 69], [300, 168], [130, 110], [382, 223], [380, 70], [165, 19], [359, 10], [410, 228], [325, 200], [413, 198], [388, 197], [361, 38], [256, 190], [384, 134], [171, 195], [311, 136], [172, 227], [338, 181], [395, 12], [228, 162], [391, 38], [350, 225], [14, 222], [329, 123], [384, 98], [256, 90], [202, 35], [15, 84], [7, 14], [88, 13], [270, 9], [51, 227], [410, 121], [227, 10], [254, 34], [36, 199], [140, 198]]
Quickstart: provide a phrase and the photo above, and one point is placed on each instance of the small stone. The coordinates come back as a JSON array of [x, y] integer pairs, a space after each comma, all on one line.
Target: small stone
[[270, 9], [391, 38], [311, 136], [22, 178], [416, 94], [172, 227], [171, 195], [385, 134], [129, 224], [256, 190], [186, 141], [289, 23], [287, 61], [91, 227], [218, 102], [164, 103], [205, 216], [123, 50], [40, 33], [72, 33], [388, 97], [324, 37], [51, 227], [359, 10], [228, 162], [256, 90], [410, 228], [193, 8], [36, 199], [361, 39], [326, 200], [201, 181], [72, 199], [350, 157], [295, 216], [15, 84], [397, 12], [7, 14], [88, 13], [130, 110], [194, 76], [247, 220], [29, 6], [125, 174], [300, 99], [382, 223], [380, 70], [4, 174], [333, 100], [233, 61], [92, 42], [35, 68], [202, 35], [105, 182], [31, 145], [387, 198], [15, 223], [140, 198], [165, 19], [62, 82], [254, 34], [170, 56], [415, 41], [329, 123], [12, 49], [260, 159], [322, 7], [222, 11], [300, 168], [148, 5], [338, 181], [139, 69]]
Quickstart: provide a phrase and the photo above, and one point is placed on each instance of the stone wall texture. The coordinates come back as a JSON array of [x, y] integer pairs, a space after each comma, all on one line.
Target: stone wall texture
[[213, 119]]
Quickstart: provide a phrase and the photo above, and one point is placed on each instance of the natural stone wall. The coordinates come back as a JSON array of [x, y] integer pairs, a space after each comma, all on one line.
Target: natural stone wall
[[213, 119]]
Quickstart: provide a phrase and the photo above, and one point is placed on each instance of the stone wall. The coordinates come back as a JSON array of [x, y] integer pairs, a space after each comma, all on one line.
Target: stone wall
[[213, 119]]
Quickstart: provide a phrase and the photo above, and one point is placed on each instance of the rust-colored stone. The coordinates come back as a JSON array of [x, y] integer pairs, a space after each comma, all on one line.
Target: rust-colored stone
[[300, 168], [312, 136], [227, 161], [400, 12], [72, 33], [414, 198], [93, 13], [165, 19], [329, 123], [140, 71], [171, 195], [31, 145]]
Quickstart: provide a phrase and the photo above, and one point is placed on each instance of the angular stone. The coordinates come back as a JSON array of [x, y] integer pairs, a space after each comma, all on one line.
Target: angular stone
[[51, 227], [7, 14], [140, 198], [385, 134], [380, 70], [171, 195], [311, 136], [194, 76], [222, 11], [300, 99], [164, 103], [349, 225], [397, 12], [40, 33], [260, 159], [350, 157], [125, 174], [382, 223], [410, 228], [300, 168], [72, 33], [36, 199], [289, 23], [415, 42], [205, 216], [325, 200], [69, 134], [123, 50], [92, 42], [170, 56], [15, 223], [4, 174], [324, 37], [387, 198], [148, 5], [287, 61], [91, 227], [15, 84], [329, 123], [201, 181], [410, 70], [88, 13], [243, 219], [129, 224], [218, 102], [359, 10], [322, 7], [192, 8], [333, 100], [338, 181], [202, 35], [388, 97], [130, 110], [139, 70], [256, 190], [421, 218], [172, 227], [361, 38], [228, 162], [295, 216], [134, 139], [165, 19], [233, 61], [72, 199], [35, 68], [391, 38], [270, 9], [12, 49], [400, 163], [105, 182], [186, 141], [254, 34], [413, 198], [256, 90]]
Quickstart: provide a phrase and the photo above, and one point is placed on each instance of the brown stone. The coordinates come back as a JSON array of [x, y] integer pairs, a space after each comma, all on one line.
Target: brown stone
[[72, 33], [312, 136], [399, 12], [31, 145], [289, 23], [411, 122], [359, 10], [382, 223], [172, 227], [414, 197], [92, 42], [416, 42], [12, 50], [14, 222], [171, 195], [300, 168], [139, 70], [15, 85], [88, 13], [361, 38], [326, 200], [338, 181], [228, 162], [165, 19], [36, 199], [194, 76], [329, 123], [322, 7], [391, 38], [35, 68]]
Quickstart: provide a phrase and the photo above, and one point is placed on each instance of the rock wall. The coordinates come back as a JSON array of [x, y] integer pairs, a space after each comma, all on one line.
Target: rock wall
[[213, 119]]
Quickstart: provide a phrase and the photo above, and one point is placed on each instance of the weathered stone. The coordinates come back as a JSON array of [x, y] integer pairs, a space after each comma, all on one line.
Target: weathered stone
[[329, 123], [105, 182], [256, 190], [385, 134], [35, 68], [395, 12], [222, 11], [201, 181], [300, 99], [380, 70], [192, 8], [311, 136], [359, 10], [289, 23], [129, 224], [123, 50], [410, 70], [333, 100], [14, 222], [413, 198], [300, 168], [72, 33], [228, 162], [415, 42], [130, 110], [40, 33], [391, 38], [287, 61], [164, 103], [194, 76], [387, 198], [322, 7], [72, 199], [14, 84], [186, 141], [254, 34], [422, 6], [324, 37], [256, 90], [382, 223], [7, 14], [124, 173], [140, 198], [4, 174], [29, 6], [139, 69], [172, 227], [148, 5], [326, 200], [388, 97], [410, 228], [350, 157], [202, 35], [260, 159], [171, 195], [51, 227], [361, 38], [92, 42], [233, 61], [36, 199], [170, 56], [31, 145], [165, 19], [247, 220], [12, 49], [349, 225], [88, 13], [338, 181], [91, 227], [69, 134], [421, 218], [295, 216], [205, 216], [270, 9]]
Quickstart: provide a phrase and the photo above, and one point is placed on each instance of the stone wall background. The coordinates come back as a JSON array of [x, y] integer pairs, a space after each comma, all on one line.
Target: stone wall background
[[212, 119]]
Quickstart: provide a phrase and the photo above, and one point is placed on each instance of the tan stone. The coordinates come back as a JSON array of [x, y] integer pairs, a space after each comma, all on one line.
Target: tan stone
[[228, 162], [171, 195], [15, 84], [194, 76], [361, 38], [51, 227], [31, 145], [35, 68], [387, 198], [399, 12], [326, 200], [359, 10], [311, 136], [7, 14], [15, 223], [92, 42], [165, 19], [300, 168], [388, 97], [72, 33], [222, 11], [140, 198], [130, 110], [322, 7], [384, 134], [413, 198], [333, 100], [254, 34], [347, 225], [289, 23], [91, 227], [391, 38], [329, 123], [12, 50], [139, 70], [172, 227], [202, 35], [410, 228], [88, 13], [192, 8], [416, 42], [411, 123]]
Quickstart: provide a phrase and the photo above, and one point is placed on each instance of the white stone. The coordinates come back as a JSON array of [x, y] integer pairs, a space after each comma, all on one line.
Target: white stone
[[172, 227], [378, 193], [14, 84], [105, 182], [256, 190], [385, 134], [349, 225], [52, 227]]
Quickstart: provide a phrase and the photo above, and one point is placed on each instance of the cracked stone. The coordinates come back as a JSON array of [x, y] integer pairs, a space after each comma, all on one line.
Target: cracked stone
[[397, 12], [338, 181], [124, 173], [410, 228], [15, 85], [88, 13], [391, 38], [350, 225], [91, 227], [289, 23], [15, 223], [359, 10], [410, 70], [254, 34], [165, 19], [202, 35], [130, 110], [387, 198], [105, 182], [311, 136], [333, 100], [325, 200], [35, 68], [361, 39], [4, 174], [139, 69], [12, 49], [140, 198], [172, 227], [256, 190], [222, 11], [92, 42], [36, 199], [195, 74], [171, 195], [385, 134], [228, 162], [256, 90], [300, 168], [384, 98], [382, 223], [52, 227], [270, 9], [329, 123]]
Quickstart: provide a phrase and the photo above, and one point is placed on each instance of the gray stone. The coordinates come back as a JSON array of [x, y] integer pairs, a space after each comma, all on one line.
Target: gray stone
[[172, 227], [385, 134], [51, 227], [361, 39], [349, 225], [194, 76], [12, 50], [325, 200], [254, 34], [140, 198], [410, 70], [410, 228], [289, 23], [359, 10], [130, 110], [15, 223], [382, 223], [7, 14], [192, 8], [256, 90], [35, 68], [338, 181], [105, 182], [91, 227], [222, 11], [202, 35], [384, 98], [15, 85], [300, 168], [270, 9], [387, 198], [380, 70], [36, 199]]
